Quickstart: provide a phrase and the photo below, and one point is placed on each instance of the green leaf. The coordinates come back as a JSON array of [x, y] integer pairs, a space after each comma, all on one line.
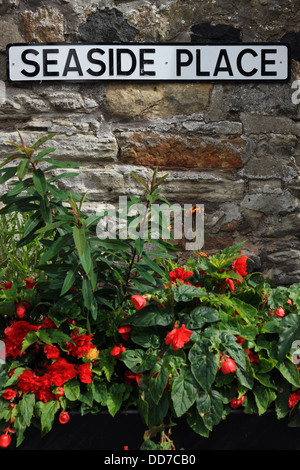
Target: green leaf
[[53, 336], [106, 363], [88, 297], [214, 409], [138, 361], [185, 292], [184, 391], [290, 372], [86, 259], [145, 337], [234, 350], [48, 411], [79, 239], [159, 377], [42, 140], [29, 339], [22, 168], [204, 364], [69, 281], [154, 266], [8, 173], [72, 390], [151, 316], [45, 210], [19, 187], [261, 396], [247, 311], [26, 407], [99, 392], [40, 155], [115, 397], [39, 181], [55, 248], [196, 423], [199, 316], [140, 180]]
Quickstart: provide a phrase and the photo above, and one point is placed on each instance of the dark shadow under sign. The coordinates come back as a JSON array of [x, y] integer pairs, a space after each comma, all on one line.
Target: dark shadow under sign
[[147, 62]]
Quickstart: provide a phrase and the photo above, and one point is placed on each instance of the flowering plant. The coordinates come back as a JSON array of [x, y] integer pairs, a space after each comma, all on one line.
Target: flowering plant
[[109, 324]]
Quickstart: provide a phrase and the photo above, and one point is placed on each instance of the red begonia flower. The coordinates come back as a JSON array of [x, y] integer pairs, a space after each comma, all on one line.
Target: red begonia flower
[[240, 266], [178, 337], [124, 332], [117, 350], [139, 301]]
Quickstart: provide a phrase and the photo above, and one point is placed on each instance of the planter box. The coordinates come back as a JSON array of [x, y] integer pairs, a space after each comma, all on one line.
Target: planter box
[[102, 432]]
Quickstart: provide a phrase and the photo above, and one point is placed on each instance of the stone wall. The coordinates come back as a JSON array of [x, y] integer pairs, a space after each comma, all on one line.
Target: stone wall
[[230, 146]]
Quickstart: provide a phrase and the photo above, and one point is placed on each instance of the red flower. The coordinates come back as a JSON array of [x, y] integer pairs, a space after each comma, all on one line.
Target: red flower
[[279, 312], [51, 351], [82, 345], [117, 350], [6, 285], [254, 359], [230, 284], [85, 373], [130, 376], [294, 398], [237, 402], [9, 394], [48, 323], [42, 388], [240, 266], [178, 337], [61, 371], [59, 392], [5, 440], [228, 365], [20, 308], [139, 301], [30, 284], [26, 381], [64, 417], [124, 332], [179, 274], [240, 340], [14, 336]]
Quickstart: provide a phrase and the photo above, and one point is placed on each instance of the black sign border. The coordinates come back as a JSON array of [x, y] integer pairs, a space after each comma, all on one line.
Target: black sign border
[[136, 80]]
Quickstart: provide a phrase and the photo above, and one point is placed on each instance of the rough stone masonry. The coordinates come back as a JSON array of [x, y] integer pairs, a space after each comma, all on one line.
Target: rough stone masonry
[[230, 146]]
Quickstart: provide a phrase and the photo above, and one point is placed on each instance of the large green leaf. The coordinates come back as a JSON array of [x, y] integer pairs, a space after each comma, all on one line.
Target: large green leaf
[[184, 391], [199, 316], [204, 363], [290, 372], [159, 377], [115, 397], [213, 415], [26, 407], [151, 316], [138, 361], [72, 390], [247, 311], [185, 293], [48, 411]]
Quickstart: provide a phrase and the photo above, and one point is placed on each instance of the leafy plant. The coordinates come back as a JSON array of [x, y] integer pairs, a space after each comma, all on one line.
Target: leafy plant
[[110, 324]]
